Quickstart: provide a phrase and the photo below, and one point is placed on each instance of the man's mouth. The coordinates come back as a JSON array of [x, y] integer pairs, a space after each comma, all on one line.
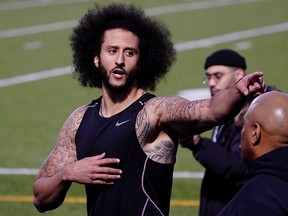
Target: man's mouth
[[120, 72], [213, 92]]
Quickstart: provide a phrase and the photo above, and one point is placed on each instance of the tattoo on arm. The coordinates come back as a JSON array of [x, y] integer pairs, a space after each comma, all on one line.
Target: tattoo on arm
[[184, 115], [64, 152], [164, 152], [170, 116], [142, 127]]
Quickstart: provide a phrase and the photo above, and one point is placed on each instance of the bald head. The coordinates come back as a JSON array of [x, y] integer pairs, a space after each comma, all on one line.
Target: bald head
[[266, 125]]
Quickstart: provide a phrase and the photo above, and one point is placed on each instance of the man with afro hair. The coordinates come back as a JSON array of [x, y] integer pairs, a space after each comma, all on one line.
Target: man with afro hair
[[122, 146]]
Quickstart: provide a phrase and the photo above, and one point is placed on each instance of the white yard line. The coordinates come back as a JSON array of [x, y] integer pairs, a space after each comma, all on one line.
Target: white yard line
[[152, 11], [37, 29], [35, 76], [186, 174], [31, 171], [194, 6], [234, 36], [18, 171], [184, 46], [18, 5]]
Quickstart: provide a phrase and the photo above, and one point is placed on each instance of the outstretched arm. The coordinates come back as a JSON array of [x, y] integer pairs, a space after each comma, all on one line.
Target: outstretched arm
[[194, 117], [61, 168]]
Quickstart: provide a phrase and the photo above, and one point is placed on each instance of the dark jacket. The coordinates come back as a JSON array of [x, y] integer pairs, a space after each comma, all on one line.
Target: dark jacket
[[265, 192], [224, 166], [225, 169]]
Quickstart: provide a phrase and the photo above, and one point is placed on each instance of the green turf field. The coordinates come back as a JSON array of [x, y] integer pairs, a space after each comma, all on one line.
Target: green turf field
[[34, 39]]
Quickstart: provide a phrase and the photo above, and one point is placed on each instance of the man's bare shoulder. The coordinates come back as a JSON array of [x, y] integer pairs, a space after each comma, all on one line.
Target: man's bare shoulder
[[80, 110]]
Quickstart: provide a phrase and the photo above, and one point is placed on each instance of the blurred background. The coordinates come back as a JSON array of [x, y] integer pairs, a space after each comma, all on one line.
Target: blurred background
[[38, 91]]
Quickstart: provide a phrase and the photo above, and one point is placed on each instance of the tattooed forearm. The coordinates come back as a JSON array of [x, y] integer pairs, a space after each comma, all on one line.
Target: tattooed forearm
[[180, 108], [48, 171], [183, 115], [56, 161]]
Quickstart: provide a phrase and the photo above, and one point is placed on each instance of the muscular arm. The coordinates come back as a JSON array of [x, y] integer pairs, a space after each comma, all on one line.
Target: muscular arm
[[195, 117], [51, 184], [61, 167], [162, 119]]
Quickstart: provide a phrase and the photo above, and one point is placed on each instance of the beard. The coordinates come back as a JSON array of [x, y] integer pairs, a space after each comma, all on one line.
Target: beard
[[105, 80]]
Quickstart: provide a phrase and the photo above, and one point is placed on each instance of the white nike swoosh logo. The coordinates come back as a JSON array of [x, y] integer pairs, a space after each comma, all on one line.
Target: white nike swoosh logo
[[121, 123]]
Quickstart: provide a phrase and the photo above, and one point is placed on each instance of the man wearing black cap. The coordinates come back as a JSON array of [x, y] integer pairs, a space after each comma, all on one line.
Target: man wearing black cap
[[221, 155], [223, 69]]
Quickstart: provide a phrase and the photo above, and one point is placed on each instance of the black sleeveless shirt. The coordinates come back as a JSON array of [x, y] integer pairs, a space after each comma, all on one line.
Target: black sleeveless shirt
[[145, 185]]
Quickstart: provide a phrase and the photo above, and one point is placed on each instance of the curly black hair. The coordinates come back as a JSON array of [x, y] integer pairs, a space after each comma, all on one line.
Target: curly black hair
[[156, 48]]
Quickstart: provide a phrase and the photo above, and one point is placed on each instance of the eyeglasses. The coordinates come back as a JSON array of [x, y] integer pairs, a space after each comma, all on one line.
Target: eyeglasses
[[216, 76]]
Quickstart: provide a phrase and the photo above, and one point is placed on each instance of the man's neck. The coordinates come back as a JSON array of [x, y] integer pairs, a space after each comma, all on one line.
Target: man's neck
[[112, 104]]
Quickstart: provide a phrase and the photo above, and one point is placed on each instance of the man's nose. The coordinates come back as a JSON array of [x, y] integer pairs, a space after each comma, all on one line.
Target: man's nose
[[120, 60], [211, 82]]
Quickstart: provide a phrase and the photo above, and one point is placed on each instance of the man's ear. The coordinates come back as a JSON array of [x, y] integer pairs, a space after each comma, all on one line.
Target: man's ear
[[239, 73], [96, 61], [256, 134]]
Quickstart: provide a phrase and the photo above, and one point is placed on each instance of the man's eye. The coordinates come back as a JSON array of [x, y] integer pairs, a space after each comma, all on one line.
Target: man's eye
[[112, 51], [208, 77], [129, 53], [218, 75]]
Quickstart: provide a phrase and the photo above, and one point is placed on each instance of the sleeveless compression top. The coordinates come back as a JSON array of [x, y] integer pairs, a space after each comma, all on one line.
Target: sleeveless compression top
[[145, 185]]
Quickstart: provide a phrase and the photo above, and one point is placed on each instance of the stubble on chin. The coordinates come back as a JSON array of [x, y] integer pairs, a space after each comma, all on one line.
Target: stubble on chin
[[116, 88]]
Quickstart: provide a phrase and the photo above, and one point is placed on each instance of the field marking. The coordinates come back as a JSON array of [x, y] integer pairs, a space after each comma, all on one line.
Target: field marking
[[82, 200], [180, 47], [31, 171], [18, 171], [151, 11], [7, 6], [186, 203], [35, 76], [37, 29], [194, 6], [234, 36], [15, 198]]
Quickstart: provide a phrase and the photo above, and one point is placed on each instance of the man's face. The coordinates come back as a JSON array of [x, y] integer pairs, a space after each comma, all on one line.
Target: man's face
[[219, 77], [118, 59]]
